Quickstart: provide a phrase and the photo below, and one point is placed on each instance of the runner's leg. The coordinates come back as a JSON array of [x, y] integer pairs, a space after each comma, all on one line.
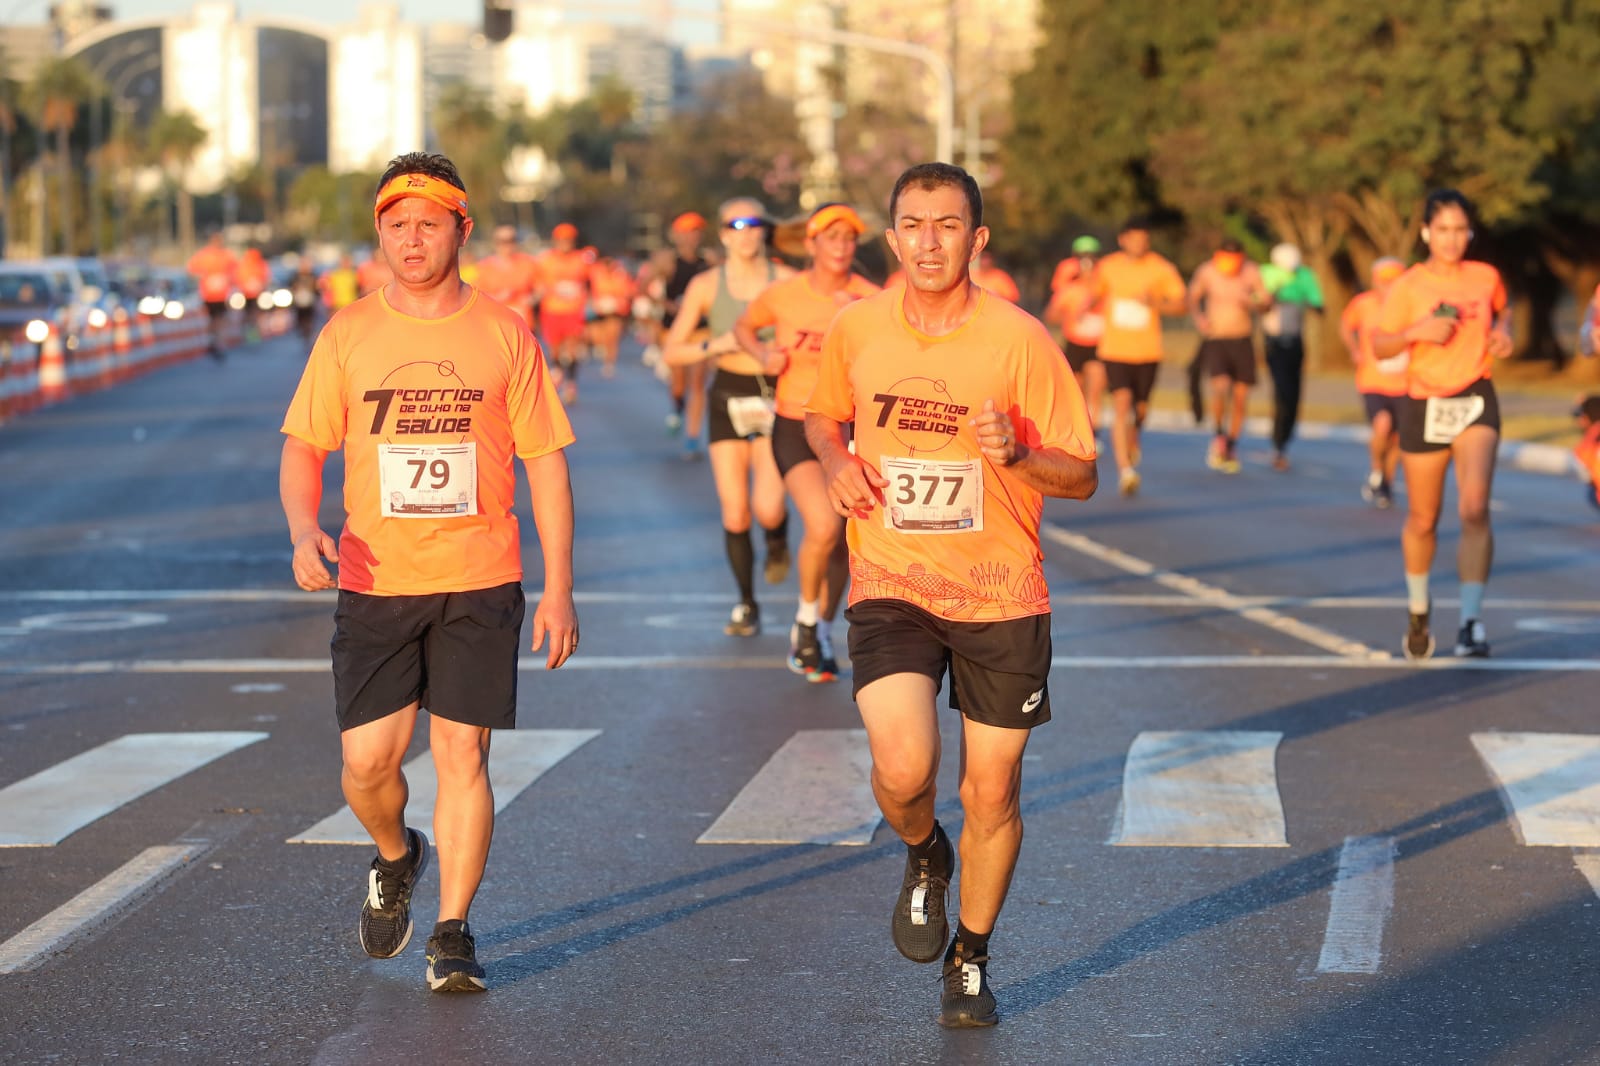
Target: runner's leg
[[991, 832], [374, 784], [1474, 453], [463, 814], [902, 726]]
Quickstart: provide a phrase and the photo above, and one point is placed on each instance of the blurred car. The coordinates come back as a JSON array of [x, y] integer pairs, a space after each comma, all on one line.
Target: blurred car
[[92, 297], [33, 301]]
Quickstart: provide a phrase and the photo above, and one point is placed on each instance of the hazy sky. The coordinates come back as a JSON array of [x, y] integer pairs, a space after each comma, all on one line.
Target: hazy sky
[[344, 11]]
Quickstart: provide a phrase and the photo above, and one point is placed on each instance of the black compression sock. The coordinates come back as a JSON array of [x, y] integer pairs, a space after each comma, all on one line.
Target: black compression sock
[[779, 534], [971, 945], [742, 560]]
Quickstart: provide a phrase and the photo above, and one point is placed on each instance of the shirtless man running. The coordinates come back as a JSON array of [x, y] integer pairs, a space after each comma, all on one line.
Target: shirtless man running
[[1225, 295]]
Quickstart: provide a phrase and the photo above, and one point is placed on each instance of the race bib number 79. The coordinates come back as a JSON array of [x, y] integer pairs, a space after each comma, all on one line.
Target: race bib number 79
[[428, 481], [926, 496]]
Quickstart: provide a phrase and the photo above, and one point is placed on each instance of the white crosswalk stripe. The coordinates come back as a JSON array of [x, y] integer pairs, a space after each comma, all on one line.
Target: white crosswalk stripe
[[1206, 788], [518, 758], [54, 803], [1551, 783], [816, 789]]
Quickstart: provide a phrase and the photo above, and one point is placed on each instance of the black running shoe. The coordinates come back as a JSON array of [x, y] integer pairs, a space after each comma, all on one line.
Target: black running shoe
[[966, 1001], [1419, 638], [1472, 642], [745, 621], [920, 926], [453, 959], [777, 566], [805, 652], [386, 915]]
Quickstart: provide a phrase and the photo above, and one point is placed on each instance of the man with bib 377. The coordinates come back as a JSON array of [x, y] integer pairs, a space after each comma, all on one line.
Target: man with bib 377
[[433, 391], [966, 416]]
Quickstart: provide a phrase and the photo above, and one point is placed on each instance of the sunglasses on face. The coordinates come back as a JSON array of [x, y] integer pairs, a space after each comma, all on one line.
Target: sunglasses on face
[[745, 223]]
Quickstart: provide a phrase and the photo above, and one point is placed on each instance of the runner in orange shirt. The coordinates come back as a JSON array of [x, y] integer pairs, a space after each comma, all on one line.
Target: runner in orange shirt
[[212, 268], [613, 290], [989, 276], [563, 297], [1587, 450], [966, 416], [373, 273], [508, 274], [1381, 384], [251, 276], [740, 405], [798, 312], [1449, 316], [1071, 309], [1133, 288], [433, 392]]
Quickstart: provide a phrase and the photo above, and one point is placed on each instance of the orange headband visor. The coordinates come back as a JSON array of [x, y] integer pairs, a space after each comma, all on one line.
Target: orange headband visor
[[401, 186], [1229, 263], [831, 214], [1386, 270]]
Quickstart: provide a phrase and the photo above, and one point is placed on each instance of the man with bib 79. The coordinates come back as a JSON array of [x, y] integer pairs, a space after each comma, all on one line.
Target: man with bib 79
[[433, 391], [966, 416]]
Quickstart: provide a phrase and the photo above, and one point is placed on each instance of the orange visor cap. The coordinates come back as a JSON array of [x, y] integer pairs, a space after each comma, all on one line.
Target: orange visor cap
[[827, 216], [428, 188]]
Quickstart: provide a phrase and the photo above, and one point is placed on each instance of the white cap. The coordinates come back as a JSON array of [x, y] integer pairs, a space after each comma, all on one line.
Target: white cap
[[1286, 257]]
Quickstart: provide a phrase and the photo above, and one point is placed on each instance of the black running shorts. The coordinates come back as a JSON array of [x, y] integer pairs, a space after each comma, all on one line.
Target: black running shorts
[[1414, 418], [1229, 357], [999, 671], [1138, 378], [454, 652], [725, 387], [1378, 401], [789, 445], [1080, 356]]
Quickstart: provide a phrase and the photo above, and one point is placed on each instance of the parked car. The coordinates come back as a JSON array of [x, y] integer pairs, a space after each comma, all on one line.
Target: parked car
[[33, 300]]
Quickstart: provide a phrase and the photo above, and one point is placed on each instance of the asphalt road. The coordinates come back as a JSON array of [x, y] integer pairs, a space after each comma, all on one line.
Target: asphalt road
[[1253, 834]]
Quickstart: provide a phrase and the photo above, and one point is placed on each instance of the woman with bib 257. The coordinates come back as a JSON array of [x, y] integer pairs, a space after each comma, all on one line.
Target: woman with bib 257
[[1449, 315]]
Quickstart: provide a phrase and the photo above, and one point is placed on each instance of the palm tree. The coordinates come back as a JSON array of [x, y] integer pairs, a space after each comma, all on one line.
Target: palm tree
[[174, 137], [59, 88], [8, 129]]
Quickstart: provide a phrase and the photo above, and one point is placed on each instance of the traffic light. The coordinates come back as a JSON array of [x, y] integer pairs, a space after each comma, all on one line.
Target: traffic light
[[497, 21]]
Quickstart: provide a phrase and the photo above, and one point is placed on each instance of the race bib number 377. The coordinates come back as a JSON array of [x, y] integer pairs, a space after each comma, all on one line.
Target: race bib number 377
[[428, 481], [926, 496]]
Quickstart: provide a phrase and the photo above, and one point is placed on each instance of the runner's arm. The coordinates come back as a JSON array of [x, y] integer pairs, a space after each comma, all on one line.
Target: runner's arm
[[1433, 330], [678, 349], [854, 486], [550, 487], [300, 490], [1500, 343], [1049, 471], [1197, 296]]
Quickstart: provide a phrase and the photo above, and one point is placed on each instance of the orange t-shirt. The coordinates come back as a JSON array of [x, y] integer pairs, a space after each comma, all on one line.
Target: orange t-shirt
[[564, 279], [251, 273], [612, 287], [1070, 303], [1361, 317], [998, 282], [1588, 453], [378, 377], [800, 316], [374, 273], [1477, 293], [212, 267], [1125, 288], [510, 279], [912, 397]]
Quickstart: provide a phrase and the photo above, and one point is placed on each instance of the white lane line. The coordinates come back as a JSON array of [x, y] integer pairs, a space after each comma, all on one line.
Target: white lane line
[[1212, 596], [517, 758], [816, 789], [535, 664], [1202, 788], [1363, 896], [94, 905], [1550, 783], [45, 809]]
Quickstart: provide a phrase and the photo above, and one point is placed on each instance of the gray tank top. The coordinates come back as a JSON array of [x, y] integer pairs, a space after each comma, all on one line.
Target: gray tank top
[[725, 309]]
